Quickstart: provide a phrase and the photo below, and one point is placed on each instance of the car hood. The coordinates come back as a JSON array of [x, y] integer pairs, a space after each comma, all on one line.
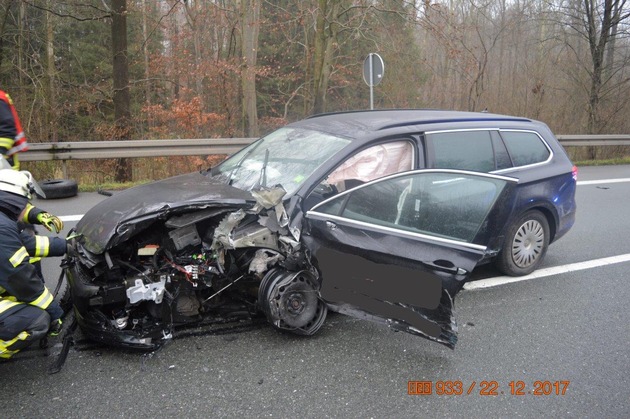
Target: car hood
[[116, 218]]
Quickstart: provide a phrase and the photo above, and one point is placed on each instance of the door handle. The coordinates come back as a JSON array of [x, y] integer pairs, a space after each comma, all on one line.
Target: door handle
[[331, 225], [445, 266]]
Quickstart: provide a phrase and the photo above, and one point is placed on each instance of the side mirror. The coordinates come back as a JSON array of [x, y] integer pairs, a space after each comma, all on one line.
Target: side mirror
[[321, 192], [325, 189]]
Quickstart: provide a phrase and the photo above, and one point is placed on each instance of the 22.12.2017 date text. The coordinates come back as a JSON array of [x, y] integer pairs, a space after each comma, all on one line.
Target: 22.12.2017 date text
[[487, 388]]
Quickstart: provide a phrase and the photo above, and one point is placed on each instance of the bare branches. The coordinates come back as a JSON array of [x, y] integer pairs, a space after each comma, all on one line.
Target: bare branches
[[104, 13]]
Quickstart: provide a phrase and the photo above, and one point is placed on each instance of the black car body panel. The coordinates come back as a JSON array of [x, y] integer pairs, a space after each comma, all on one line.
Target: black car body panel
[[105, 228]]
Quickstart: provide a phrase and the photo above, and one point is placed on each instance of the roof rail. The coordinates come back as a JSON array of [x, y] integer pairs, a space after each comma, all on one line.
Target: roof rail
[[452, 120]]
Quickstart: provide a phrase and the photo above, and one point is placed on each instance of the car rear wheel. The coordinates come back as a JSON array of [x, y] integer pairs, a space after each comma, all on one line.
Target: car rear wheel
[[525, 245]]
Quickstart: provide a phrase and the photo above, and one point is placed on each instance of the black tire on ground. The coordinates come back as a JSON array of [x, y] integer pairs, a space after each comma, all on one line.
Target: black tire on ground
[[525, 245], [59, 188], [63, 293], [64, 298]]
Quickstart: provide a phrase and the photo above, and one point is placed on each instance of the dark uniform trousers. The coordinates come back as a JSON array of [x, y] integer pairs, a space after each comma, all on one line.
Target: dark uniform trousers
[[20, 325]]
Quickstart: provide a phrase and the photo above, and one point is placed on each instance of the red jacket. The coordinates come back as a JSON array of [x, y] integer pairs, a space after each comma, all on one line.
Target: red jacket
[[12, 138]]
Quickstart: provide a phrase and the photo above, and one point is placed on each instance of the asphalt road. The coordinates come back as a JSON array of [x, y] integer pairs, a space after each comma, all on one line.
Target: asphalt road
[[570, 332]]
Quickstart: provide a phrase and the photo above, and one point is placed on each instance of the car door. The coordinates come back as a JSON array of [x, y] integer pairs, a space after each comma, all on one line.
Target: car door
[[398, 249]]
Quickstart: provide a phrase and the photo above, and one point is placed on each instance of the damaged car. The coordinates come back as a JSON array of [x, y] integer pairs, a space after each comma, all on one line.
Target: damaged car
[[346, 212]]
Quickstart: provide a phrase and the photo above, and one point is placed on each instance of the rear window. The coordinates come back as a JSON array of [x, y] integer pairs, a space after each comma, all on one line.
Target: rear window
[[466, 150], [525, 147]]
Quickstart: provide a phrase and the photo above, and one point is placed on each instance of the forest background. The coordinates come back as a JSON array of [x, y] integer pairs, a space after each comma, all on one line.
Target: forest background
[[92, 70]]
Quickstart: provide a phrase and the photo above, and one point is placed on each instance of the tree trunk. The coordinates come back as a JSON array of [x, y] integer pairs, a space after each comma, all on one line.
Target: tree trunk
[[599, 34], [122, 113], [6, 12], [250, 27], [610, 49], [193, 11], [145, 53], [51, 106], [325, 39], [21, 31]]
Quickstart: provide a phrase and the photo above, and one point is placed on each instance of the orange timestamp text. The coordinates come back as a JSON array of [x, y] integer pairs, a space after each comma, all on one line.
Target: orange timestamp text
[[487, 388]]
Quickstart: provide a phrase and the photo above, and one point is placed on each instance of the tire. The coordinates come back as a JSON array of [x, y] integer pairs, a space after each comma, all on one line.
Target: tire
[[64, 298], [525, 245], [59, 188], [290, 301], [63, 294]]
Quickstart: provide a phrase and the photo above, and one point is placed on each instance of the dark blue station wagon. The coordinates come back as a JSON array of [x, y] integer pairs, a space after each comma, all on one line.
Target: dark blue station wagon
[[380, 215]]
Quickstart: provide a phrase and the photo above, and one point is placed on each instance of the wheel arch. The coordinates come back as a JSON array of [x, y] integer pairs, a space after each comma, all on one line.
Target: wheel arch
[[528, 253], [550, 215], [545, 210]]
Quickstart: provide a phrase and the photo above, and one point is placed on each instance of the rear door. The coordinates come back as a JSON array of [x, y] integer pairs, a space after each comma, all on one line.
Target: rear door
[[397, 250]]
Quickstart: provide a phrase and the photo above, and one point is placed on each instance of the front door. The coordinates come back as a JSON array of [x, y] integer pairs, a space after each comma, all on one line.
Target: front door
[[398, 249]]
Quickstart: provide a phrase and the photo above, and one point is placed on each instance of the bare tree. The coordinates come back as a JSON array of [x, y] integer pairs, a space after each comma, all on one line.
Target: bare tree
[[250, 27], [600, 27], [325, 39], [120, 73], [467, 36], [4, 17], [50, 114], [599, 24]]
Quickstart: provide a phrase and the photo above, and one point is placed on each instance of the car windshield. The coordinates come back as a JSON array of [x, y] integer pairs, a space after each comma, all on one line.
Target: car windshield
[[285, 157]]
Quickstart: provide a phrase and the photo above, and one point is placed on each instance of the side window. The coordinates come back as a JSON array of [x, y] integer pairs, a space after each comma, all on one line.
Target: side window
[[377, 203], [525, 147], [465, 150], [445, 205], [372, 163]]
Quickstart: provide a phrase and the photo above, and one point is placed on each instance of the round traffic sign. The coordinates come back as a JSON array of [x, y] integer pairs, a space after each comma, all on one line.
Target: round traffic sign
[[373, 69]]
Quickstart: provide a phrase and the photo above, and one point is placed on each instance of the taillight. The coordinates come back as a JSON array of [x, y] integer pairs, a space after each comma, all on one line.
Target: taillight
[[574, 173]]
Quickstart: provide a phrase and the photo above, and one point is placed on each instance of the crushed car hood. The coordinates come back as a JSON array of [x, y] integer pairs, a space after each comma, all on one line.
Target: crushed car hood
[[112, 221]]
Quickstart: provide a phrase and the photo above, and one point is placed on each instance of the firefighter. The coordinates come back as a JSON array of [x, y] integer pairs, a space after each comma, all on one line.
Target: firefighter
[[12, 138], [27, 309], [13, 141]]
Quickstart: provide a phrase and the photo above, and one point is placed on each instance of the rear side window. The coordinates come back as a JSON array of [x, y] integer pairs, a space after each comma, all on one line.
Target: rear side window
[[467, 150], [525, 147]]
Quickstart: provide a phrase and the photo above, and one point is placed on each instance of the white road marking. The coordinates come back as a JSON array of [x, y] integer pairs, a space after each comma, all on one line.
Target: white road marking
[[556, 270], [600, 182], [66, 218]]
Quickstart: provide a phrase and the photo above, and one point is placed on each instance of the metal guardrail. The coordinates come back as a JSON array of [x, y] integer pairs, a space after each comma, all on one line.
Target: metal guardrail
[[82, 150], [205, 146], [594, 140]]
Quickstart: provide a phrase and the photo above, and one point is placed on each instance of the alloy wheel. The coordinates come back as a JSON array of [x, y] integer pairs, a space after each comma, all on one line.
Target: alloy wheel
[[528, 243]]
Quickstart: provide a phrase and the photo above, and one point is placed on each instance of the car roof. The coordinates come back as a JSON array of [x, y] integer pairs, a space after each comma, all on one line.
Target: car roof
[[356, 123]]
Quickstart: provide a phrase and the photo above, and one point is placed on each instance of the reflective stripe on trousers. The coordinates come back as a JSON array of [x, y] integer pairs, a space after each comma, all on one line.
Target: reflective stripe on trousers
[[4, 344]]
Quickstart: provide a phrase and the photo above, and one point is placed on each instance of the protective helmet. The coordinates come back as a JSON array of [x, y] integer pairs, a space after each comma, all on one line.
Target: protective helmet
[[19, 183]]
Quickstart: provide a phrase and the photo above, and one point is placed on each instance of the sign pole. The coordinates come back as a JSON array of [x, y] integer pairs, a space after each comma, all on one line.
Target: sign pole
[[373, 69], [371, 81]]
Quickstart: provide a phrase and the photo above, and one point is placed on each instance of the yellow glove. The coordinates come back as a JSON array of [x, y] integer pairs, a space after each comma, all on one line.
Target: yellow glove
[[51, 222], [55, 328]]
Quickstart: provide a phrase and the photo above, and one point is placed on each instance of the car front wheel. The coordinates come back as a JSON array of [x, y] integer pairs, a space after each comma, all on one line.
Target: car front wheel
[[525, 245]]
